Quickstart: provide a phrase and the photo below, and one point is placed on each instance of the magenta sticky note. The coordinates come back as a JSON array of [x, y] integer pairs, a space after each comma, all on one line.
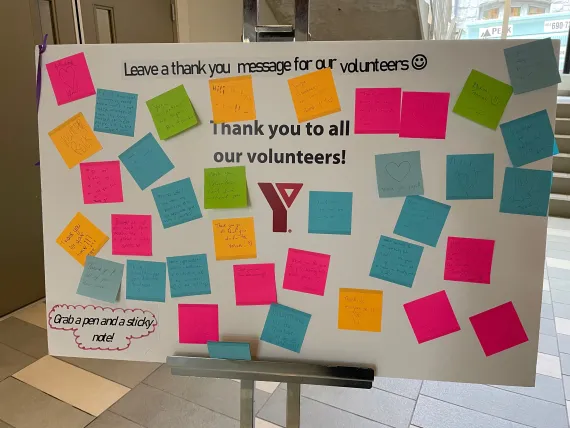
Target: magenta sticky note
[[431, 317], [70, 78], [377, 110], [131, 235], [306, 271], [198, 323], [424, 115], [469, 260], [498, 329], [255, 284], [101, 182]]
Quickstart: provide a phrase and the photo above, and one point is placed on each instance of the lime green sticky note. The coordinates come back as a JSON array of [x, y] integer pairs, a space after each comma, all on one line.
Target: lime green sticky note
[[225, 187], [172, 112], [483, 99]]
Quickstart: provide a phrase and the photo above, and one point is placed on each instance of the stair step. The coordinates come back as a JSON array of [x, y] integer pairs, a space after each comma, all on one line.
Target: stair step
[[562, 125], [561, 183], [563, 142], [563, 107], [559, 205], [561, 163]]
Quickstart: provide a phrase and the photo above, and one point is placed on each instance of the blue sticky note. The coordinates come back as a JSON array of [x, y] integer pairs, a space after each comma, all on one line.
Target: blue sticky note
[[146, 281], [115, 112], [555, 150], [532, 66], [526, 191], [188, 275], [396, 261], [285, 327], [101, 279], [470, 176], [176, 203], [229, 350], [399, 174], [330, 212], [422, 220], [146, 161], [528, 138]]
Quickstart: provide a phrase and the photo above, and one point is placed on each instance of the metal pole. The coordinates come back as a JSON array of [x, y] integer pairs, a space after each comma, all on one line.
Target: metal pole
[[293, 405], [301, 20], [249, 20], [246, 415]]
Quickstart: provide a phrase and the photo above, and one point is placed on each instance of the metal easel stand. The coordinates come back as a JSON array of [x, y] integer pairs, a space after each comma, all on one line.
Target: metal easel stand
[[252, 32]]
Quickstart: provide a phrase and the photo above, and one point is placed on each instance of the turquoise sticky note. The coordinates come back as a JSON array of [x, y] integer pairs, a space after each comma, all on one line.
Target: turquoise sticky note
[[101, 279], [399, 174], [285, 327], [146, 281], [396, 261], [532, 66], [422, 220], [526, 191], [188, 275], [146, 161], [229, 350], [330, 212], [115, 112], [176, 203], [470, 176]]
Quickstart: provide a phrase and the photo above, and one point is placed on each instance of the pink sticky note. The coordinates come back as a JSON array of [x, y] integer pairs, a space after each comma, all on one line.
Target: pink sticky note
[[306, 271], [377, 110], [469, 260], [198, 323], [101, 182], [498, 329], [255, 284], [432, 317], [131, 234], [70, 78], [424, 115]]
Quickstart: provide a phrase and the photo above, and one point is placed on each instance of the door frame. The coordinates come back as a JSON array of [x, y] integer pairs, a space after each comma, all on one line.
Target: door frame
[[63, 9]]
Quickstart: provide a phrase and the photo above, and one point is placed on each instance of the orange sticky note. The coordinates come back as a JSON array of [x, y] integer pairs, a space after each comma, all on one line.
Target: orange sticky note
[[314, 95], [359, 309], [81, 238], [75, 140], [232, 99], [234, 238]]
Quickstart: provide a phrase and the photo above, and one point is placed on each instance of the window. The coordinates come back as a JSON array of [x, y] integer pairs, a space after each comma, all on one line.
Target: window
[[491, 13], [535, 10], [105, 25], [516, 11]]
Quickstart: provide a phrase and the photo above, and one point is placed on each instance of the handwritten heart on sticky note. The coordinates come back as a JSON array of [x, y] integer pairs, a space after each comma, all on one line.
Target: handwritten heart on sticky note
[[398, 171]]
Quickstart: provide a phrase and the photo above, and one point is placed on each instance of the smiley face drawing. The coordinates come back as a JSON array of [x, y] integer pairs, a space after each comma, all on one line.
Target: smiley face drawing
[[419, 62]]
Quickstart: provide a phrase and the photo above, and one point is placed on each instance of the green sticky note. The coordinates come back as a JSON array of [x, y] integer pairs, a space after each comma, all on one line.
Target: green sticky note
[[225, 187], [172, 112], [483, 99]]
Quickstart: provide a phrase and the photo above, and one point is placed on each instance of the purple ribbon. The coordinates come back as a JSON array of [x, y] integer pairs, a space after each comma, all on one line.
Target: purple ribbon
[[42, 49]]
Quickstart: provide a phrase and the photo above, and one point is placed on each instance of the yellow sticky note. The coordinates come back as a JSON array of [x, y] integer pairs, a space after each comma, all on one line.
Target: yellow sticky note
[[359, 309], [234, 238], [314, 95], [75, 140], [232, 99], [81, 238]]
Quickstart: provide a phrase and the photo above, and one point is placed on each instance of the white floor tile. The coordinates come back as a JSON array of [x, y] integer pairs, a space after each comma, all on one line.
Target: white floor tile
[[548, 365], [267, 386], [558, 263], [558, 232], [260, 423], [562, 326], [545, 285], [34, 314]]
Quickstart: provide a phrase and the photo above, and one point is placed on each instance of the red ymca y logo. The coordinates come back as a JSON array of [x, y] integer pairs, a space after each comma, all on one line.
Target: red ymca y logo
[[277, 206]]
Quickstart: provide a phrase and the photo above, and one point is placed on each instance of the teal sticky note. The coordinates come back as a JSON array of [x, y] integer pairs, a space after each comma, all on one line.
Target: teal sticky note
[[526, 191], [532, 66], [188, 275], [396, 261], [229, 350], [146, 161], [330, 212], [555, 150], [470, 176], [399, 174], [422, 220], [285, 327], [176, 203], [146, 281], [101, 279], [115, 112]]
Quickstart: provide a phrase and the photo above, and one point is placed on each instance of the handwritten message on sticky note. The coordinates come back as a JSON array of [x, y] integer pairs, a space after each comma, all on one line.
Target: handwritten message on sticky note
[[172, 112], [396, 261], [225, 187], [101, 279], [526, 191], [424, 115], [198, 323], [188, 275], [360, 309], [377, 110], [314, 95], [131, 235], [146, 281], [229, 350], [255, 284], [74, 140], [115, 112], [306, 271], [176, 203], [70, 78], [232, 99], [422, 220], [81, 238], [399, 174], [146, 161], [285, 327], [469, 260], [234, 238], [470, 176], [483, 99], [330, 212], [101, 182]]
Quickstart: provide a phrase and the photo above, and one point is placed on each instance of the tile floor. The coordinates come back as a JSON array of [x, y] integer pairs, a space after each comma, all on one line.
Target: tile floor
[[40, 391]]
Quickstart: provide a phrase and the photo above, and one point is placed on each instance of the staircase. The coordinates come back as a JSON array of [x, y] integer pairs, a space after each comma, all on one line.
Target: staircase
[[560, 192]]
